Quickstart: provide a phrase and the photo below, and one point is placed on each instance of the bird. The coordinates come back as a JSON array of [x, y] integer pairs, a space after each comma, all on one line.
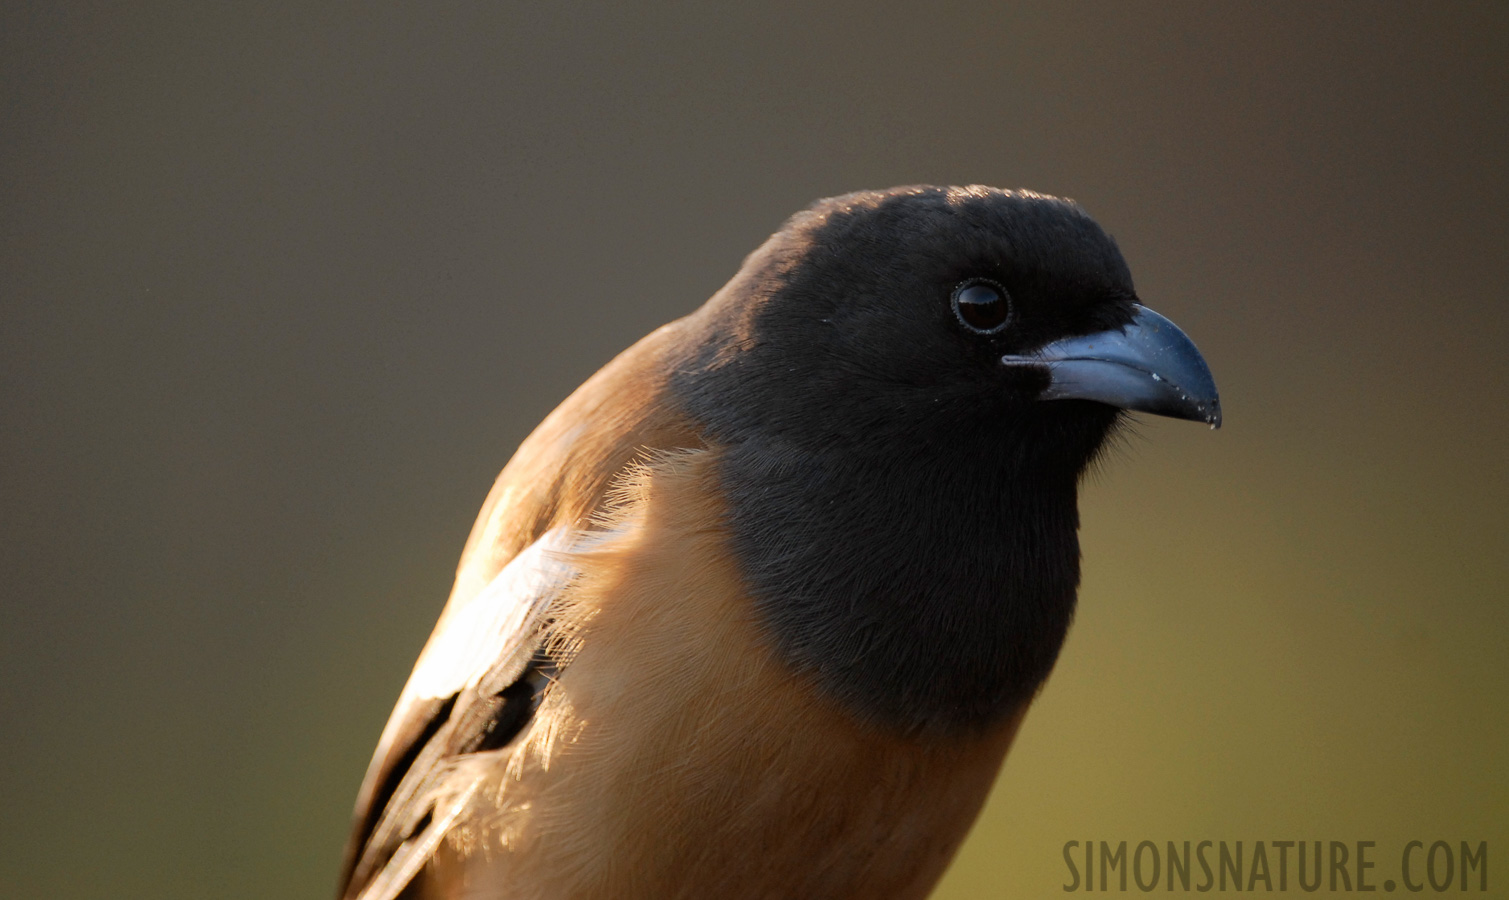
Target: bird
[[758, 610]]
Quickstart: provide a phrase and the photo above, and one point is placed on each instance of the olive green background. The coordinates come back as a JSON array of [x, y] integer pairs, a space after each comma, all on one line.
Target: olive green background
[[283, 286]]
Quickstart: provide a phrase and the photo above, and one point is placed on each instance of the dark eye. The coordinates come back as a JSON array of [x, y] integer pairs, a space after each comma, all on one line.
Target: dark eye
[[982, 305]]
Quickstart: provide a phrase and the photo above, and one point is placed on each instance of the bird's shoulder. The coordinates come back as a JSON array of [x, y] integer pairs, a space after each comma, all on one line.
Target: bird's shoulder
[[562, 471]]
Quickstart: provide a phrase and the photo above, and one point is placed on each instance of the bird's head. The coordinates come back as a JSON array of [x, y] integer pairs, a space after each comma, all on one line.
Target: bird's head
[[909, 313], [907, 385]]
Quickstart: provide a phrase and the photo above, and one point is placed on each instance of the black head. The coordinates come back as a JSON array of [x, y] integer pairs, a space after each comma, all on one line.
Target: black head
[[847, 318], [901, 495]]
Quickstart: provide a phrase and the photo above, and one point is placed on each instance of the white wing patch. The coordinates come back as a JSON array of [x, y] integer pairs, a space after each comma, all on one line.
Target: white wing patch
[[489, 627], [479, 649]]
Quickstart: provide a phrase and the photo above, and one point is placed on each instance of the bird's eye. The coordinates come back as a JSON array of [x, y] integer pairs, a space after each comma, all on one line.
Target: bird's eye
[[982, 305]]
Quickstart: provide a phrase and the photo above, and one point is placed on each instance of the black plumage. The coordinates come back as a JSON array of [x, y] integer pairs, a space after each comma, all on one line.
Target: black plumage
[[903, 505]]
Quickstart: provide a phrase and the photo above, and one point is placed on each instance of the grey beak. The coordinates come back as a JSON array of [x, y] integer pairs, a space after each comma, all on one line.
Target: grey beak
[[1149, 366]]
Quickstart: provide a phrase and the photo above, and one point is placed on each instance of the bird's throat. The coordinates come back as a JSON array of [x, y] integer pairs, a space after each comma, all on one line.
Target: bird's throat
[[925, 591]]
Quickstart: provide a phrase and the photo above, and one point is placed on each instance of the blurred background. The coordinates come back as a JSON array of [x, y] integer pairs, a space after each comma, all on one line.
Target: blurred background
[[284, 285]]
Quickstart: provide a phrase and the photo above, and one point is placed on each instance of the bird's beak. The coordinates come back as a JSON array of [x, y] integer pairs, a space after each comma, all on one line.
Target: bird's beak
[[1149, 365]]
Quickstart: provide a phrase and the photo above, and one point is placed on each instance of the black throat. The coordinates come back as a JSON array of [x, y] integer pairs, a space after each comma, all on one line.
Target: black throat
[[926, 584]]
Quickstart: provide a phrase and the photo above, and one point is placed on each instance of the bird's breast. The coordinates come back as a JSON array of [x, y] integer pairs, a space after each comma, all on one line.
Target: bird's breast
[[678, 756]]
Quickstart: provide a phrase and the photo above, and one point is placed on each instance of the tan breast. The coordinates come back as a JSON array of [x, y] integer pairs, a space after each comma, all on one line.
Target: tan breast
[[677, 757]]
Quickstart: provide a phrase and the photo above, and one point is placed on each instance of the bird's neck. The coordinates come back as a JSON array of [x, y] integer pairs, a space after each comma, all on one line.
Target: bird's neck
[[927, 589]]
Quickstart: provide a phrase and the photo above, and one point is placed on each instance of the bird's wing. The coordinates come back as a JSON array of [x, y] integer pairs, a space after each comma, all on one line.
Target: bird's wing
[[476, 681], [472, 690]]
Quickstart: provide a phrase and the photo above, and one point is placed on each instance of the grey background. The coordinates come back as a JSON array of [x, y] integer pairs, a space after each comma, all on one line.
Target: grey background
[[283, 286]]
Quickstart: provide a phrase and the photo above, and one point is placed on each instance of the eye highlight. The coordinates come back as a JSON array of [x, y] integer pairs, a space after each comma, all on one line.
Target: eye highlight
[[982, 306]]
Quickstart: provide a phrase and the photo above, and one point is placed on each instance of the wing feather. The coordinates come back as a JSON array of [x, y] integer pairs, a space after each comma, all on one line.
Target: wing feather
[[478, 676], [461, 686]]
